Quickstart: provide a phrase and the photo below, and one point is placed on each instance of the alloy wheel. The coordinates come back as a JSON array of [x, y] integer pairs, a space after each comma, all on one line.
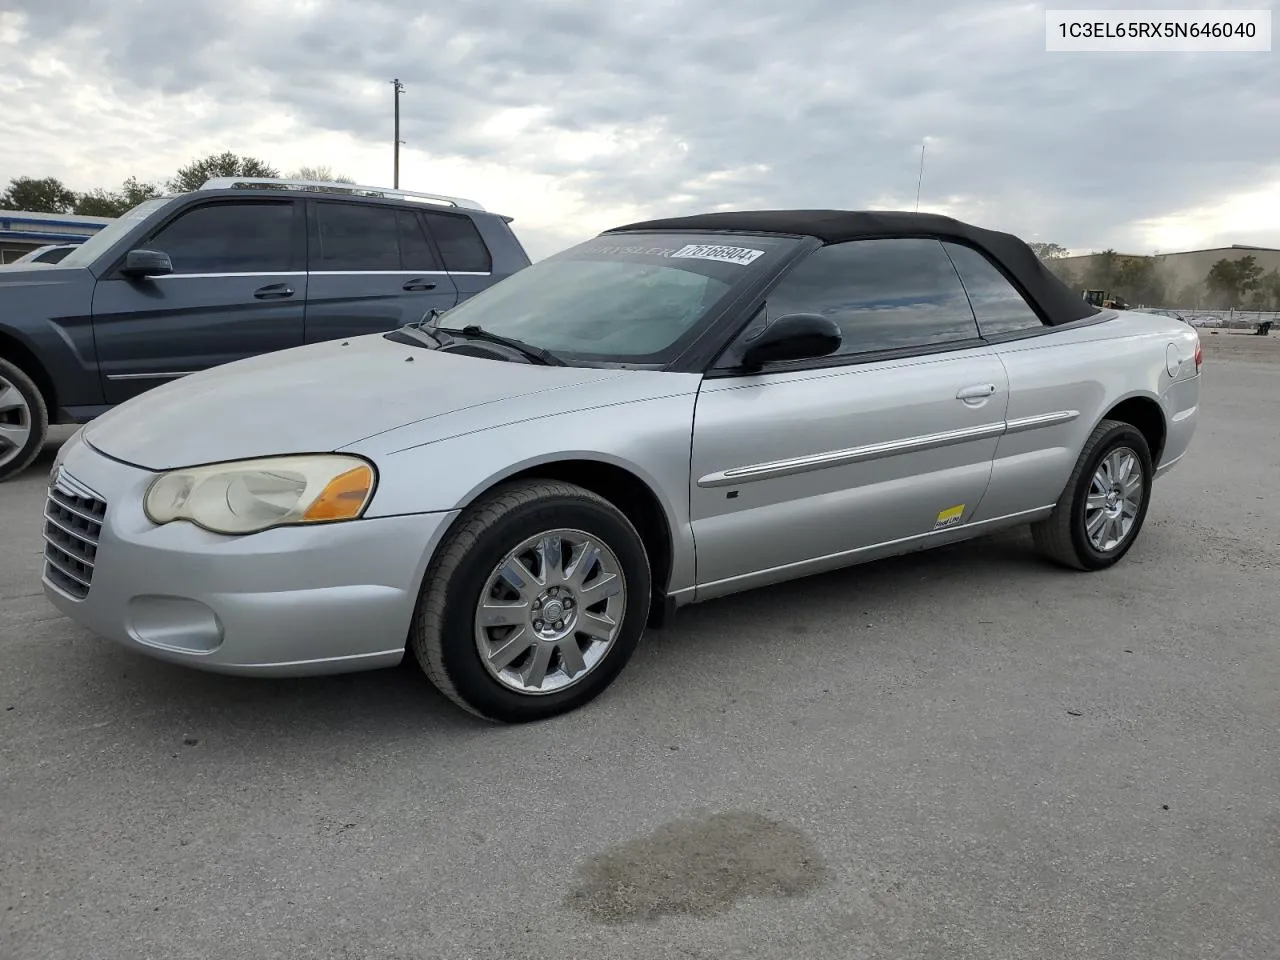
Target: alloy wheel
[[15, 421], [550, 612], [1114, 499]]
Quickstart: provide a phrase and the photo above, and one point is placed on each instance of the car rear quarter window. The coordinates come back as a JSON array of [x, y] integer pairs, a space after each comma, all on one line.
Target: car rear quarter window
[[891, 294], [415, 249], [355, 237], [460, 243], [229, 237], [996, 302]]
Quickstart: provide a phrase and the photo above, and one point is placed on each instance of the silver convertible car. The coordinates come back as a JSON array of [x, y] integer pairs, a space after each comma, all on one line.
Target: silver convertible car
[[671, 411]]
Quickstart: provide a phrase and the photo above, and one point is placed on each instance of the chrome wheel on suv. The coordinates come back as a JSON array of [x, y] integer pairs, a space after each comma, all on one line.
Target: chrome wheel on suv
[[24, 421]]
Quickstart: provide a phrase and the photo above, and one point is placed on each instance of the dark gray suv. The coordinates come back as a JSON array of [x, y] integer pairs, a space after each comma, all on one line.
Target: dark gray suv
[[240, 267]]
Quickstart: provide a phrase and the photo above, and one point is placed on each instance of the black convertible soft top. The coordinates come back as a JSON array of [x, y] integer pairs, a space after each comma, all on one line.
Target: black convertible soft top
[[1019, 263]]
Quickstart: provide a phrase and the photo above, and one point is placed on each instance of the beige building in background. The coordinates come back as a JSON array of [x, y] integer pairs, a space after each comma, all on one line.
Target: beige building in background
[[1181, 270]]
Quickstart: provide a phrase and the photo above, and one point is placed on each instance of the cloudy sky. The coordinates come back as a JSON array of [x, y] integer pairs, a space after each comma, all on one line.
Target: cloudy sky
[[576, 115]]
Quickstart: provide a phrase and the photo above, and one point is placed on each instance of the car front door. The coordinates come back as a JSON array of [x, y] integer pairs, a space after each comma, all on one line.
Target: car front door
[[806, 465], [371, 268], [237, 289]]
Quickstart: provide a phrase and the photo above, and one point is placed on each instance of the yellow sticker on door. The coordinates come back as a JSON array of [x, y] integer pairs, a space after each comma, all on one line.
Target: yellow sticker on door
[[950, 516]]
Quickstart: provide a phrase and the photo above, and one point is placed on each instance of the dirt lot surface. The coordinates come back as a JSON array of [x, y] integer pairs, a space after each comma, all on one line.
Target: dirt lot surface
[[1238, 345], [963, 755]]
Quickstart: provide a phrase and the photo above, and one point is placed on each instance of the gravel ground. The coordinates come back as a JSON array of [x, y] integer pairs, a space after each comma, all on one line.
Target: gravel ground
[[960, 754], [1238, 345]]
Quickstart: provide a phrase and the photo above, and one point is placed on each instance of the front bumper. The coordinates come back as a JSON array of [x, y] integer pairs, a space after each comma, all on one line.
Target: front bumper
[[292, 601]]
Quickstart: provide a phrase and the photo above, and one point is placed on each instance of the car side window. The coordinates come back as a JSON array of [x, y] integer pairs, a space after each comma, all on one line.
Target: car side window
[[888, 294], [460, 243], [356, 237], [415, 249], [998, 305], [229, 237]]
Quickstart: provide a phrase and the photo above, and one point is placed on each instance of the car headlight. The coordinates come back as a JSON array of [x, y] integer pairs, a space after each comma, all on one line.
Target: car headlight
[[248, 496]]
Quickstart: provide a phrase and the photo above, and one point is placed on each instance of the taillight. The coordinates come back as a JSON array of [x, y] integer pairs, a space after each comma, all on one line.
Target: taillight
[[1199, 355]]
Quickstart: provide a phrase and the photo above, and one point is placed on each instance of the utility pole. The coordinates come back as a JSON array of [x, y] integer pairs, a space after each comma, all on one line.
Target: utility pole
[[920, 181], [399, 89]]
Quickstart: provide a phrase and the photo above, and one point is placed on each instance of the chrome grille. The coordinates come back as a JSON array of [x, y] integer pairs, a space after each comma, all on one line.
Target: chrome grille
[[72, 524]]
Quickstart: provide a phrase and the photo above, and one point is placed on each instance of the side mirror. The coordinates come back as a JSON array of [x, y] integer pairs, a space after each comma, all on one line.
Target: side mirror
[[146, 263], [797, 336]]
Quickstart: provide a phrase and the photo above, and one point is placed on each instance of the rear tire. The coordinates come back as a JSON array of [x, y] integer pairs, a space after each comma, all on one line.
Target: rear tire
[[24, 421], [1102, 509], [534, 602]]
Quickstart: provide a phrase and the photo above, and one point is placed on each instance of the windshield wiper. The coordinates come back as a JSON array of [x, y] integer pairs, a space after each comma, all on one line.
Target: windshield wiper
[[537, 354]]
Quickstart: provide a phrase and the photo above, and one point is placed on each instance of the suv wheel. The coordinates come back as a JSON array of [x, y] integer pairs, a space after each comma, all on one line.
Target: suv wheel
[[24, 421]]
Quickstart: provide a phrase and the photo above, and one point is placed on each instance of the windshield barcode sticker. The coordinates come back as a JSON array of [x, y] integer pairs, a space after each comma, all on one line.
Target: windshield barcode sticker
[[707, 251]]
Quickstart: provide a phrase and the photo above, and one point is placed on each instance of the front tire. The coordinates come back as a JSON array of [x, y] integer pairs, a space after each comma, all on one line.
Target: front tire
[[1102, 509], [24, 421], [534, 602]]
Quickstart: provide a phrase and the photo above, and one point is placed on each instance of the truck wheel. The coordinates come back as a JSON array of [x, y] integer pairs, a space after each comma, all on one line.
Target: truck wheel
[[534, 602], [1103, 507], [24, 421]]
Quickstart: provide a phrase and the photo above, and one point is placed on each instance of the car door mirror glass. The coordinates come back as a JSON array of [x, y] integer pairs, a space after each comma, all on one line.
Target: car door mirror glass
[[146, 263], [797, 336]]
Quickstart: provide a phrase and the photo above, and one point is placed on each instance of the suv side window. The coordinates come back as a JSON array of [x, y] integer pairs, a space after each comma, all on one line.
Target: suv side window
[[998, 305], [885, 295], [415, 249], [352, 236], [460, 243], [229, 237]]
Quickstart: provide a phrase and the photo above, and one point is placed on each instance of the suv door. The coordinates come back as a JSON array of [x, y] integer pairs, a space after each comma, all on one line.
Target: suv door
[[462, 250], [371, 268], [237, 289], [804, 466]]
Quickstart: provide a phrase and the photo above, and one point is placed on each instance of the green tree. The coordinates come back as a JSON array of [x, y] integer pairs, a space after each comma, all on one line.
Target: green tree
[[1138, 281], [46, 195], [1099, 271], [193, 175], [1190, 297], [133, 192], [106, 203], [1047, 251], [1269, 290], [1230, 282], [98, 203]]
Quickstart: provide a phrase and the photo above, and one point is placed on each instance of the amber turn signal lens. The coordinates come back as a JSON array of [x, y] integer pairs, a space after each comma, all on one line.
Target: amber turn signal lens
[[343, 498]]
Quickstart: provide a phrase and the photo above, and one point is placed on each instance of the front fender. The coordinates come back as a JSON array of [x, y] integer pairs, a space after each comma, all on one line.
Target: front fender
[[48, 315], [651, 439]]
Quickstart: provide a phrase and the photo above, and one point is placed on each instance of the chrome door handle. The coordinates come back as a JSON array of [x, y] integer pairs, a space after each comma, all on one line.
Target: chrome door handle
[[977, 392]]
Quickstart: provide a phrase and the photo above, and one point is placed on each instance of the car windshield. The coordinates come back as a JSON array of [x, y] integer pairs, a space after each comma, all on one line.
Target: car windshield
[[87, 252], [622, 298]]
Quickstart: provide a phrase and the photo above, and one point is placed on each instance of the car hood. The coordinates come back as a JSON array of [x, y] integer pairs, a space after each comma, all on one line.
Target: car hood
[[316, 398]]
